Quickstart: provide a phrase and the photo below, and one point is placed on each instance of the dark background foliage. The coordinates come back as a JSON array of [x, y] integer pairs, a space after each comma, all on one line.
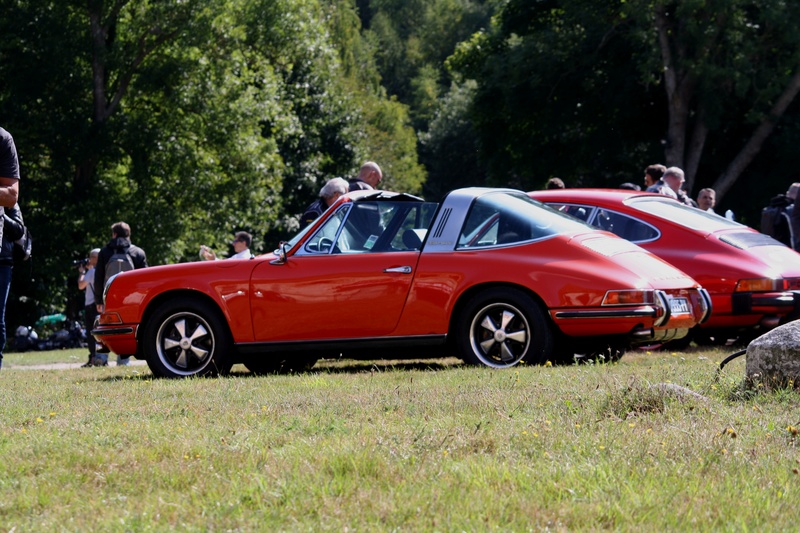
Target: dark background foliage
[[197, 119]]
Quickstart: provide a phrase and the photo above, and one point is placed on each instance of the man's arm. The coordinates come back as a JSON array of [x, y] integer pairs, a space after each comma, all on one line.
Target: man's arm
[[9, 191]]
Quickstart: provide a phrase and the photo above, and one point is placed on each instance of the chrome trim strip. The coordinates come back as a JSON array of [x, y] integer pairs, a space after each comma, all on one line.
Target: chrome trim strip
[[112, 331], [611, 313]]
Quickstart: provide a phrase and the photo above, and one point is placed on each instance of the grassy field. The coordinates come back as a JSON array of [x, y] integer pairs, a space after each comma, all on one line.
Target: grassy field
[[399, 446]]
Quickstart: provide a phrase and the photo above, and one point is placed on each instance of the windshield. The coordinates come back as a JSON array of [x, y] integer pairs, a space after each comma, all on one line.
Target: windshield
[[506, 218], [297, 238], [368, 226], [691, 217]]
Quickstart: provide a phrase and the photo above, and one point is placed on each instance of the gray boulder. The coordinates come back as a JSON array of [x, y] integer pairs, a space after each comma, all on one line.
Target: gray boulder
[[773, 359]]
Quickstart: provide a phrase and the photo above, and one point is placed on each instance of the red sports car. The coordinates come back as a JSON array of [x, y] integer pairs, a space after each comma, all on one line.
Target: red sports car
[[754, 280], [489, 275]]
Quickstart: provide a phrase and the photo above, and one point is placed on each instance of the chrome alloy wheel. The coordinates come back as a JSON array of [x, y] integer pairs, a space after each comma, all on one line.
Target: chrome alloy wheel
[[185, 343], [500, 335]]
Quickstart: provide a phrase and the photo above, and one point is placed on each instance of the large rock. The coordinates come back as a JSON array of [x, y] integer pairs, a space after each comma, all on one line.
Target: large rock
[[773, 359]]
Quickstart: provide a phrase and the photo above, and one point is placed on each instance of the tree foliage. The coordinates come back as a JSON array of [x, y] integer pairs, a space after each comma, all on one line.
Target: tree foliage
[[596, 90], [189, 120]]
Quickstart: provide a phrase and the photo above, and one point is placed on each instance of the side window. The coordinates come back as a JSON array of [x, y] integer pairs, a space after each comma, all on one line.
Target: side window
[[581, 212], [363, 227], [412, 230], [377, 227], [624, 226], [493, 225]]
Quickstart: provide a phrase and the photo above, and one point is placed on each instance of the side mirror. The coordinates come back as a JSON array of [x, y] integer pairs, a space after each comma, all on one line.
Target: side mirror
[[281, 253]]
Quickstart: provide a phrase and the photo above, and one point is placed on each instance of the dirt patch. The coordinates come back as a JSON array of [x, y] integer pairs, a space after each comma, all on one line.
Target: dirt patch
[[66, 366]]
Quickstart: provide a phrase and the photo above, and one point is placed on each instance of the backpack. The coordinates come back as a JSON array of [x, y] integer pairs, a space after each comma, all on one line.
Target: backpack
[[775, 223], [119, 262], [12, 222]]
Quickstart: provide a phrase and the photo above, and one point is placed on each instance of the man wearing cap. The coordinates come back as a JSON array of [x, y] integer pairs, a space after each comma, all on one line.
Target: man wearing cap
[[241, 245]]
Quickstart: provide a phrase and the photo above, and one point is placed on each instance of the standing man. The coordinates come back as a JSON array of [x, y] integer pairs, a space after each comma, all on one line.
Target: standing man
[[9, 192], [368, 177], [86, 283], [654, 182], [329, 193], [674, 178], [707, 199], [119, 245]]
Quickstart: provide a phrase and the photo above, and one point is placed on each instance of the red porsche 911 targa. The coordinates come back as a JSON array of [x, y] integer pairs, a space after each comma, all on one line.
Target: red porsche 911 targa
[[488, 275]]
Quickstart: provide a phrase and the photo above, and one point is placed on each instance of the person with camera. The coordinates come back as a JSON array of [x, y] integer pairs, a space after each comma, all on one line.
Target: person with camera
[[86, 283]]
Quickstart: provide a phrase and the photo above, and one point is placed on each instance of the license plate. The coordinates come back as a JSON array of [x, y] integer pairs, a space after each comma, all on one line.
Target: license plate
[[679, 306]]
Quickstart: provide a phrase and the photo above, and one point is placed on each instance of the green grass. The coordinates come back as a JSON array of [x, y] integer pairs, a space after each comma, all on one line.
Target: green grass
[[77, 355], [422, 446]]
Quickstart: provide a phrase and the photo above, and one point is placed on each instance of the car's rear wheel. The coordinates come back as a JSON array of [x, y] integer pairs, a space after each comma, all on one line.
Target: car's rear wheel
[[186, 338], [271, 364], [502, 327]]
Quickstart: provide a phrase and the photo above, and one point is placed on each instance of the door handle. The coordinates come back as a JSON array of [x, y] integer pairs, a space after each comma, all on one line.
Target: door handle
[[399, 270]]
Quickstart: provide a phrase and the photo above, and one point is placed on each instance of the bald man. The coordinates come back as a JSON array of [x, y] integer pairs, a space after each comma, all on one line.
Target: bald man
[[368, 177]]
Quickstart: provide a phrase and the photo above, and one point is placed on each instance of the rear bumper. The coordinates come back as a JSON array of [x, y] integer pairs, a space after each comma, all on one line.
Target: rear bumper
[[781, 303], [671, 317]]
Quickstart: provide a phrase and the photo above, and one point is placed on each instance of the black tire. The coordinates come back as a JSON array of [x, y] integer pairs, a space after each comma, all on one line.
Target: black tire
[[681, 344], [502, 327], [279, 364], [185, 338], [612, 353]]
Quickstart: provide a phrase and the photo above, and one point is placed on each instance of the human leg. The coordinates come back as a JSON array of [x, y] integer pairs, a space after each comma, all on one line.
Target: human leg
[[90, 313], [5, 285]]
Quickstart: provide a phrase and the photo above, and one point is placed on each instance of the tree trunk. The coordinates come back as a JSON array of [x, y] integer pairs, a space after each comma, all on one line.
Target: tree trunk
[[679, 86], [726, 180], [695, 151]]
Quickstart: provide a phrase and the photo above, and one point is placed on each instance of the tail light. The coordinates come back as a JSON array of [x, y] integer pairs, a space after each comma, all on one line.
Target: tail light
[[630, 297], [761, 285]]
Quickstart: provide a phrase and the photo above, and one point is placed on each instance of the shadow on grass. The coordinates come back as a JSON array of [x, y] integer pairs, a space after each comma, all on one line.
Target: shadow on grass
[[325, 366]]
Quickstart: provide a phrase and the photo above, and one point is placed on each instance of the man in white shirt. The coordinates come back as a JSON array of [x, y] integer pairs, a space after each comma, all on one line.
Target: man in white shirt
[[241, 247]]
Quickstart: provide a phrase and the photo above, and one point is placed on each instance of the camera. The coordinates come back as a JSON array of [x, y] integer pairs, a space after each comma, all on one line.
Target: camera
[[80, 263]]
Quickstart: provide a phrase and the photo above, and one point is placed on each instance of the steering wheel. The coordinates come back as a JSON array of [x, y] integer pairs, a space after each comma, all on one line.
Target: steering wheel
[[325, 244]]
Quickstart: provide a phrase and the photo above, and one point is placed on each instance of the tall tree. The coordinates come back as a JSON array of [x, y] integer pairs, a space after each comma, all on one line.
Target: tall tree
[[586, 79], [720, 58]]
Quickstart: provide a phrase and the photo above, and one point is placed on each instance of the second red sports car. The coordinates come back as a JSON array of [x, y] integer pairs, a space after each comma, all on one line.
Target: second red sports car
[[754, 280]]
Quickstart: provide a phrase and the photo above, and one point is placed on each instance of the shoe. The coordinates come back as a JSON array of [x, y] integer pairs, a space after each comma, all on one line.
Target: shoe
[[86, 365]]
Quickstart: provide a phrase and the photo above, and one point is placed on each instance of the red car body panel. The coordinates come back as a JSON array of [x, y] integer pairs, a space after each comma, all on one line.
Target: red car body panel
[[705, 255]]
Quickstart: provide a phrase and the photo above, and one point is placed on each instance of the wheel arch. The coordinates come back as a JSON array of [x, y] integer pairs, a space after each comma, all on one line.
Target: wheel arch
[[465, 297], [186, 294]]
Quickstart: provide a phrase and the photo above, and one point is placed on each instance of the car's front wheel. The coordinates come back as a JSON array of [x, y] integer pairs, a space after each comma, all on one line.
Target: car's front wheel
[[186, 338], [502, 327]]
